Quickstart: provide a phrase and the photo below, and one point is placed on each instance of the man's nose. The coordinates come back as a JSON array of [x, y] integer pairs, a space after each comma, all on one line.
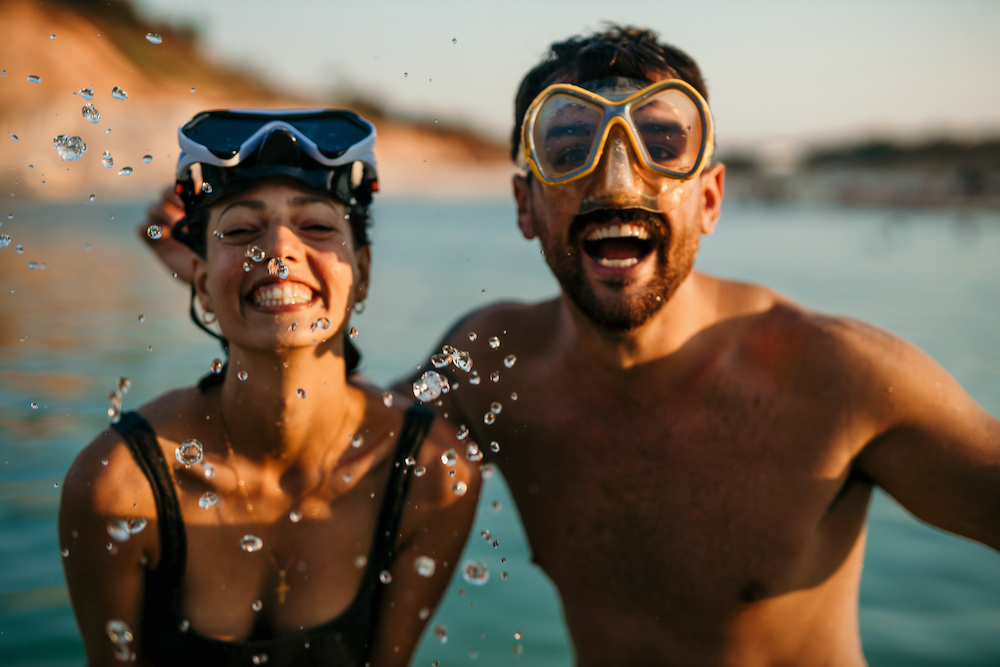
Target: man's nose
[[615, 176]]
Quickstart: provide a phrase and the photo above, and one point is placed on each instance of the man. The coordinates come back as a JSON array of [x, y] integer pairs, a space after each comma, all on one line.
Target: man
[[692, 458]]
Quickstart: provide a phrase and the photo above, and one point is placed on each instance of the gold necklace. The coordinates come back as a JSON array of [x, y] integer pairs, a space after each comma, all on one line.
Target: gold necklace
[[282, 588]]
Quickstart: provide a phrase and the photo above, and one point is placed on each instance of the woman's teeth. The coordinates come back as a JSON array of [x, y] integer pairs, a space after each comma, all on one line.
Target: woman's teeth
[[284, 294]]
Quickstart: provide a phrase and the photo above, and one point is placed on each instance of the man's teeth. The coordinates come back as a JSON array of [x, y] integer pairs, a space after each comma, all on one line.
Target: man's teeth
[[618, 232], [285, 294], [617, 263]]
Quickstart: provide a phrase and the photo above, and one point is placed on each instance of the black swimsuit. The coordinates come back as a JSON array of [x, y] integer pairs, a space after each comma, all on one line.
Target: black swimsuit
[[342, 641]]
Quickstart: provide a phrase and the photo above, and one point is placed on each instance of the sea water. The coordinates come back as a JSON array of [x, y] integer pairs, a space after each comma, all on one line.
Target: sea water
[[68, 331]]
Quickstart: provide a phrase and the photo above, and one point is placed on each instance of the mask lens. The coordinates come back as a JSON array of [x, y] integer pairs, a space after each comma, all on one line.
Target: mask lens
[[670, 127], [223, 134], [333, 135], [565, 132]]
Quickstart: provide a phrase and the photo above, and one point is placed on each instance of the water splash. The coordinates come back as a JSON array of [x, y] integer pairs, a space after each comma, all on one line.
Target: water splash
[[69, 148], [430, 386]]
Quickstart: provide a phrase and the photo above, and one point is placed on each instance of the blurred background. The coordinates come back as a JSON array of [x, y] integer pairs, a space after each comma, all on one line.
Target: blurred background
[[862, 142]]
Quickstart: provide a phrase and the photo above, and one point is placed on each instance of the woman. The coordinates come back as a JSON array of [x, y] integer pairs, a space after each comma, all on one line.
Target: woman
[[278, 513]]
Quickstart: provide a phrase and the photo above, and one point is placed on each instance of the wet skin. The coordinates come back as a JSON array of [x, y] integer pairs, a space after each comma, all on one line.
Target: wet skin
[[293, 453], [697, 486]]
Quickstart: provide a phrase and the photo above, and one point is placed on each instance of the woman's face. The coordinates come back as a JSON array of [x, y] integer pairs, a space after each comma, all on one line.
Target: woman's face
[[308, 232]]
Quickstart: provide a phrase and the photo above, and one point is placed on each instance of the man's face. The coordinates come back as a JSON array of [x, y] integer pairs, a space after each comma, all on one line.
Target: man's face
[[622, 240]]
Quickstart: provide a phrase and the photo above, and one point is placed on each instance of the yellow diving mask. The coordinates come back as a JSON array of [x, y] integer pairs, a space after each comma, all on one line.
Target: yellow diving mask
[[667, 123]]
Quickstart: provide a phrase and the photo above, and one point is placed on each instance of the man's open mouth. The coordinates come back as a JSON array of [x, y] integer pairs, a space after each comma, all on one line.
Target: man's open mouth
[[618, 246], [281, 294]]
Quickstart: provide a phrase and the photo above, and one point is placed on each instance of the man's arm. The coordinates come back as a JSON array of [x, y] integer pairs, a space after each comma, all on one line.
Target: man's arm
[[937, 452]]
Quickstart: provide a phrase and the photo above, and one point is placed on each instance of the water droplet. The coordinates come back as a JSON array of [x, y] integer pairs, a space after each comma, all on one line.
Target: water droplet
[[353, 333], [440, 360], [153, 38], [136, 525], [124, 384], [118, 530], [189, 452], [276, 267], [65, 553], [124, 654], [206, 188], [495, 446], [487, 470], [91, 113], [125, 171], [419, 471], [293, 326], [104, 462], [441, 634], [405, 74], [462, 360], [217, 366], [184, 625], [385, 577], [34, 406], [301, 393], [489, 418], [494, 342], [474, 378], [20, 249], [87, 93], [247, 266], [119, 94], [387, 399], [449, 457], [495, 376], [115, 406], [251, 543], [32, 266], [192, 89], [295, 516], [424, 613], [242, 375], [509, 361], [147, 158], [410, 461], [430, 386], [119, 632], [496, 506], [463, 432], [209, 470], [459, 488], [473, 453], [154, 232], [69, 148], [513, 395], [257, 605], [259, 659], [34, 78], [255, 253], [53, 38], [4, 240], [495, 408], [360, 562], [108, 160], [454, 41], [425, 566]]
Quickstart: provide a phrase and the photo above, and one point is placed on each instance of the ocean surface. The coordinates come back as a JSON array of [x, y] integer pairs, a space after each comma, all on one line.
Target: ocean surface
[[68, 330]]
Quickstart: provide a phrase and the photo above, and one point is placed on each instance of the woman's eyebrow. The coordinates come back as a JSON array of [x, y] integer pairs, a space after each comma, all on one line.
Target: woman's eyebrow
[[303, 200], [252, 204]]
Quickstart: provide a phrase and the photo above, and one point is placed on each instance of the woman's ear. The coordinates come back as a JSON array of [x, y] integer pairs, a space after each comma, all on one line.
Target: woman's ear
[[363, 256], [199, 271]]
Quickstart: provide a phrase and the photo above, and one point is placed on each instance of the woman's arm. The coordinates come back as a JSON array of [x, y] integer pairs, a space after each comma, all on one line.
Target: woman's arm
[[435, 525], [105, 562]]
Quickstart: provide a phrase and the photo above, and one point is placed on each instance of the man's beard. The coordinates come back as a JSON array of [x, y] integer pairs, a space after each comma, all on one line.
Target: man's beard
[[674, 257]]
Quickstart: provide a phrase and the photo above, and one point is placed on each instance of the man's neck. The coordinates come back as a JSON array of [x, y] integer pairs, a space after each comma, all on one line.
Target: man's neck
[[691, 309]]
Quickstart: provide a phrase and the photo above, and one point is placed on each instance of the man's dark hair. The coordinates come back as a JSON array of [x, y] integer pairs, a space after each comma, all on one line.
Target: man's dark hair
[[619, 50]]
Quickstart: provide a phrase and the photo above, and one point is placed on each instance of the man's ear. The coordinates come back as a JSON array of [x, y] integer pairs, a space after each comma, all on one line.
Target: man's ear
[[364, 258], [713, 187], [522, 195], [199, 271]]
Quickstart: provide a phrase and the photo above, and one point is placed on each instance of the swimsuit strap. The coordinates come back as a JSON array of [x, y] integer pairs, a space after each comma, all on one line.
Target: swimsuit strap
[[416, 425], [146, 451]]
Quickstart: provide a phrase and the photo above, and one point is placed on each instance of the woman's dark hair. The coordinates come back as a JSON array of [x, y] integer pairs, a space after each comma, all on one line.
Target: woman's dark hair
[[618, 51]]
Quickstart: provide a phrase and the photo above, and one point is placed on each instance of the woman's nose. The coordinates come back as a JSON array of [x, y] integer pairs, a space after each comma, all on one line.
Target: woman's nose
[[284, 243]]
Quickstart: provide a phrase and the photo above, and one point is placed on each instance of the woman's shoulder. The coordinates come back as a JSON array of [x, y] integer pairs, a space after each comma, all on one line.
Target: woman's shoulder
[[106, 479]]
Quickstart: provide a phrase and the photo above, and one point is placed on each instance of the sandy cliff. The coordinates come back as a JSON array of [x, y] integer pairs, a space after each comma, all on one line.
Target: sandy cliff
[[101, 45]]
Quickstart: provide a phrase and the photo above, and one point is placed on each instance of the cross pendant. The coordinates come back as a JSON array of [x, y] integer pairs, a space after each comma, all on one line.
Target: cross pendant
[[282, 587]]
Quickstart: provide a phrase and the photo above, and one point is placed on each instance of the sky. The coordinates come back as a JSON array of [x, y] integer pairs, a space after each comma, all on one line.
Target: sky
[[779, 73]]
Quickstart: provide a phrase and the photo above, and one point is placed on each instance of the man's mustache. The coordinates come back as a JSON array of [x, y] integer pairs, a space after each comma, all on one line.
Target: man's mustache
[[651, 221]]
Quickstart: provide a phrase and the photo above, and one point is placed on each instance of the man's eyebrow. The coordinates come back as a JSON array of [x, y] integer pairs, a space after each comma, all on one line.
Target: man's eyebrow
[[654, 126], [567, 130]]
